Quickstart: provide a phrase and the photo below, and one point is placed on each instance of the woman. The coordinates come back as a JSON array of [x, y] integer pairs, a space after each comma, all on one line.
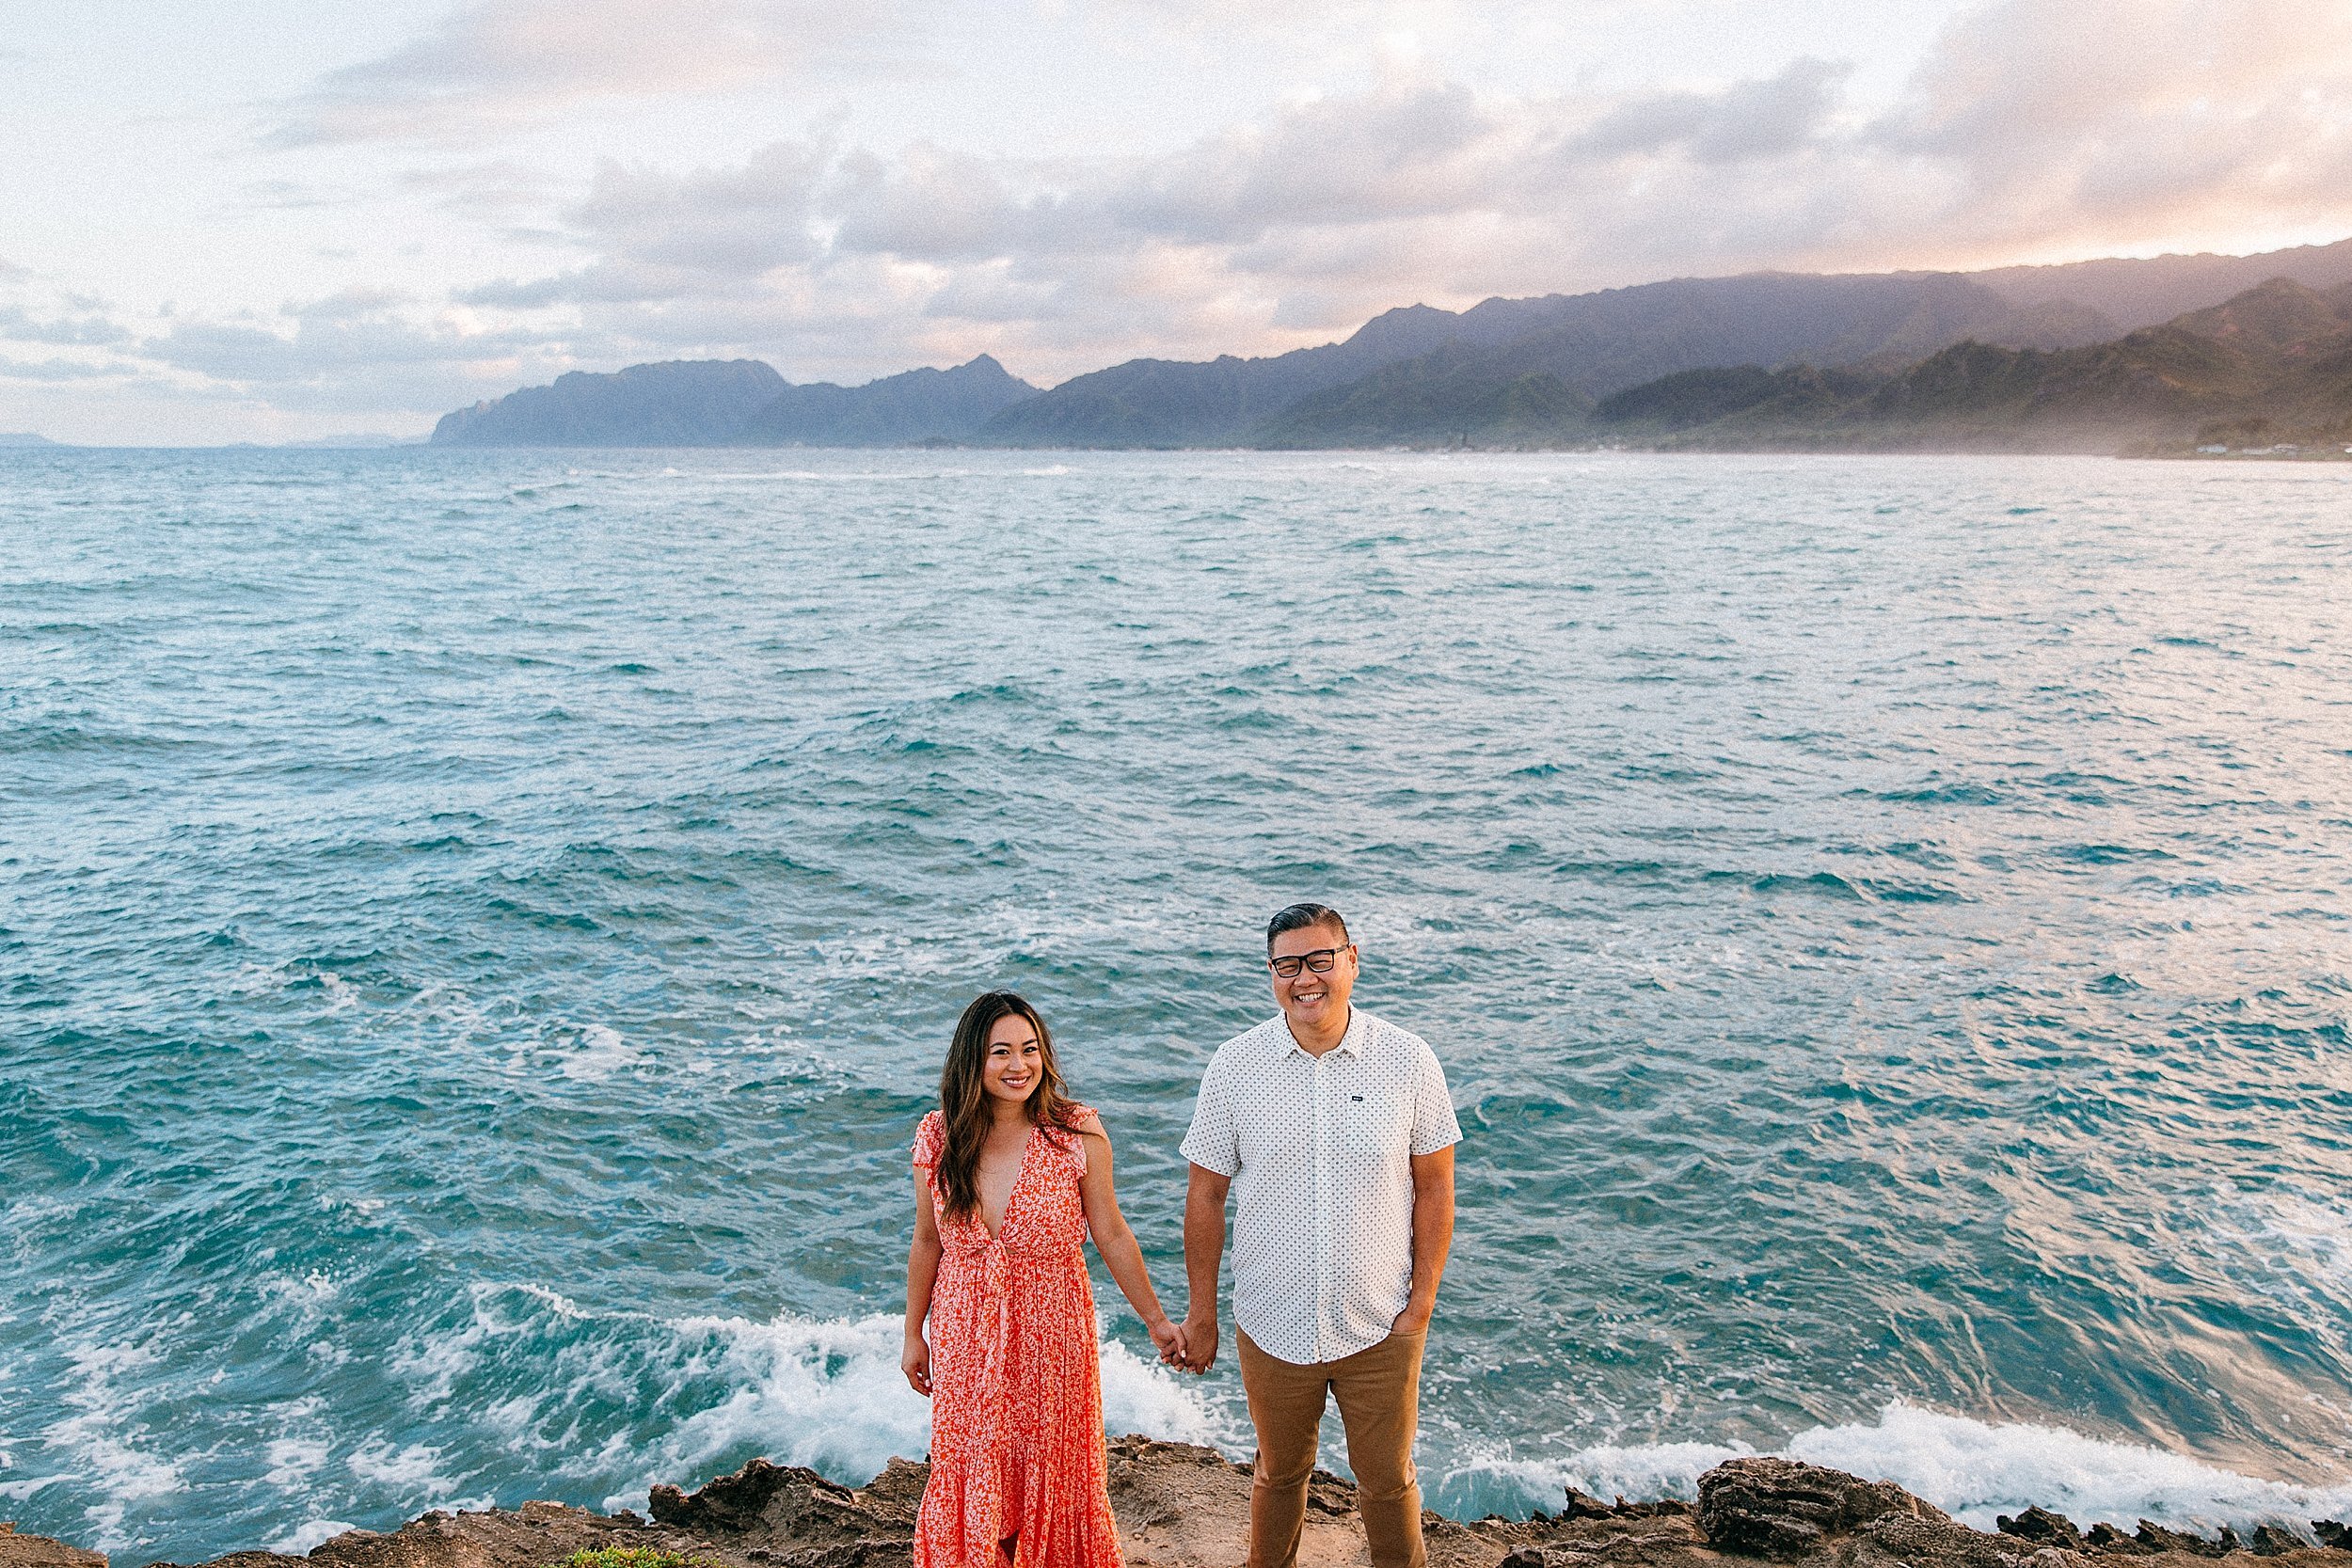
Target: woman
[[1010, 1176]]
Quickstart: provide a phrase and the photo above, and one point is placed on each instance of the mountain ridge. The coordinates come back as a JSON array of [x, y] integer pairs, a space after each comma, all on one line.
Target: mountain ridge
[[1527, 370], [2137, 292], [715, 402], [2272, 363]]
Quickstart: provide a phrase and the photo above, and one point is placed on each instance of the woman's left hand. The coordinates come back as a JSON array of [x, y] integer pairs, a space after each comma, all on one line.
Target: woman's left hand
[[1169, 1339], [914, 1359]]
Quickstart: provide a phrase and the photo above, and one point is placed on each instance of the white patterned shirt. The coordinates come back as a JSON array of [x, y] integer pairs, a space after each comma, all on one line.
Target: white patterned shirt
[[1320, 1150]]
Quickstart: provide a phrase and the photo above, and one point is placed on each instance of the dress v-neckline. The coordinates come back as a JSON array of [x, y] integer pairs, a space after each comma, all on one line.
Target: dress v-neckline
[[1020, 1174]]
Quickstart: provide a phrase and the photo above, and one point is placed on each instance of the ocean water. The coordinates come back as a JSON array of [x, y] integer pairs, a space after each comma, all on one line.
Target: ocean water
[[478, 930]]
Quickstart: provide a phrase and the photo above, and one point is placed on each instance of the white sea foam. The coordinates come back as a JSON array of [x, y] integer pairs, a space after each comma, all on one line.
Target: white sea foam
[[851, 476], [828, 1394], [1974, 1470], [18, 1490], [2316, 1237], [1145, 1396], [556, 1302], [824, 1394], [303, 1442], [298, 1541], [342, 996], [413, 1470], [1640, 1471], [293, 1461], [433, 1363], [599, 1053], [101, 1437]]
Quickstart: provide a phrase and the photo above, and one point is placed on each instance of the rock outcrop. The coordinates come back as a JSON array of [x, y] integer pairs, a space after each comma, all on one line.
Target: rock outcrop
[[1780, 1509], [1180, 1506], [39, 1551]]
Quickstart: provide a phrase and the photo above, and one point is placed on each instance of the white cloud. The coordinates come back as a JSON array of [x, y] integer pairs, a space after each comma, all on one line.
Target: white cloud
[[359, 351], [61, 370], [88, 329], [1749, 119], [2084, 123], [1396, 171], [496, 65], [2035, 126]]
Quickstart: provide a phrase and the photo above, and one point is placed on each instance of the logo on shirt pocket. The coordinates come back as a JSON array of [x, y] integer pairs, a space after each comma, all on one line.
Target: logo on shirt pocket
[[1374, 1125]]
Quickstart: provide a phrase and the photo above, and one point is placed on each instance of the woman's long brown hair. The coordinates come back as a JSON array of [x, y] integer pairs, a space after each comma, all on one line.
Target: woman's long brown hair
[[964, 1099]]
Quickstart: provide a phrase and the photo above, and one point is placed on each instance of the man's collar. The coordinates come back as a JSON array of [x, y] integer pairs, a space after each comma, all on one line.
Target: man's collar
[[1351, 1044]]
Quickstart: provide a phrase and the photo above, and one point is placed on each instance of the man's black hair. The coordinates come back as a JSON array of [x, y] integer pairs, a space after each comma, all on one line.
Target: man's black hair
[[1299, 916]]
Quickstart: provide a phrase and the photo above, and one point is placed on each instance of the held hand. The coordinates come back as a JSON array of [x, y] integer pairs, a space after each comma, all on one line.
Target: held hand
[[916, 1361], [1200, 1332], [1169, 1341]]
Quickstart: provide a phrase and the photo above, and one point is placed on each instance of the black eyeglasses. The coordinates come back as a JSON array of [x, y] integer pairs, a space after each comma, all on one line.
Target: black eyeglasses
[[1317, 962]]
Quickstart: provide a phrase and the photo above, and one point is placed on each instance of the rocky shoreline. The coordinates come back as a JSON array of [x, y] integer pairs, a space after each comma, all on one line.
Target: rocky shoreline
[[1181, 1506]]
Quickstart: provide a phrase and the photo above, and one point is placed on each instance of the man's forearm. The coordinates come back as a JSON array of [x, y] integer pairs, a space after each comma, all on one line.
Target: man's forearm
[[1432, 1238], [1204, 1251], [1433, 1234]]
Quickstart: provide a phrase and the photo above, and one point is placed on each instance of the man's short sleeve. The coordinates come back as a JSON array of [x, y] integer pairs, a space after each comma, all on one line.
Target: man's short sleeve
[[1213, 1143], [1434, 1124]]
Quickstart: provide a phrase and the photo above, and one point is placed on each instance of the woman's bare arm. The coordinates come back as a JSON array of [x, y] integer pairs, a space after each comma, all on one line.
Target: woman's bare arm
[[915, 1357], [1116, 1241]]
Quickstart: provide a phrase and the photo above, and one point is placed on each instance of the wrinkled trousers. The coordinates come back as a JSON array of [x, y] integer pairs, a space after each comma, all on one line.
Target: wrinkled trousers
[[1378, 1392]]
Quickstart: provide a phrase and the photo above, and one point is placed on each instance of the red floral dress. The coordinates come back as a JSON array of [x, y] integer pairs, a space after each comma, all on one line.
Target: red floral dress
[[1016, 1379]]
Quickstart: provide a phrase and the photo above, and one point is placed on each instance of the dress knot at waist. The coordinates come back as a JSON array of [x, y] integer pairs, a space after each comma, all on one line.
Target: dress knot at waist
[[996, 1263], [982, 1251]]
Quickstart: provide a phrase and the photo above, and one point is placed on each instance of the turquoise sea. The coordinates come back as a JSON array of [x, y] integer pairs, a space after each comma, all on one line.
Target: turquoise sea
[[478, 930]]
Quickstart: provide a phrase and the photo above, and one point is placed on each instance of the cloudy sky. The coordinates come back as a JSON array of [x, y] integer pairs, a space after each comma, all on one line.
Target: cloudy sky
[[270, 219]]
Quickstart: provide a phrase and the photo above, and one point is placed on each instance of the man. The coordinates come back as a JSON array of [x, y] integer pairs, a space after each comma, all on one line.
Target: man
[[1338, 1131]]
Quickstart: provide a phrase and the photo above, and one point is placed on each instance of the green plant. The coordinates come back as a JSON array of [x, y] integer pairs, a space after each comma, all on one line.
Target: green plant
[[630, 1557]]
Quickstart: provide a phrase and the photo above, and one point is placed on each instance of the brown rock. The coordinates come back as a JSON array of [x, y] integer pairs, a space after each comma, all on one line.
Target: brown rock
[[1181, 1506], [1778, 1508], [1917, 1541], [530, 1537], [2156, 1538], [774, 1513], [1584, 1505], [2040, 1525], [40, 1551], [2105, 1537]]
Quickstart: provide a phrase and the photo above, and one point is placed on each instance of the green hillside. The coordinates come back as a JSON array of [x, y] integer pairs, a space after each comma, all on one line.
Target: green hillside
[[2274, 364]]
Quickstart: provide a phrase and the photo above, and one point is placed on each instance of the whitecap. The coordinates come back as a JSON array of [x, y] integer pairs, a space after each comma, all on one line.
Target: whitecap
[[1974, 1470], [1145, 1396], [1644, 1471], [600, 1053], [828, 1394], [101, 1436], [342, 996], [18, 1490], [413, 1469], [302, 1538], [292, 1461]]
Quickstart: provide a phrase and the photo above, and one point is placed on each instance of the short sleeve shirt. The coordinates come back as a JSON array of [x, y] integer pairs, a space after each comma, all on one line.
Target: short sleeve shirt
[[1320, 1150]]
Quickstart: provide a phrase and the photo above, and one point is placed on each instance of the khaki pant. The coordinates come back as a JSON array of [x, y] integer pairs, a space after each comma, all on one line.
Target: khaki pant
[[1379, 1395]]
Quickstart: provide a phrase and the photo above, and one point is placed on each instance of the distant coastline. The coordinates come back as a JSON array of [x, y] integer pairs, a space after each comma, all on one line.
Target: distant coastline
[[2018, 361]]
